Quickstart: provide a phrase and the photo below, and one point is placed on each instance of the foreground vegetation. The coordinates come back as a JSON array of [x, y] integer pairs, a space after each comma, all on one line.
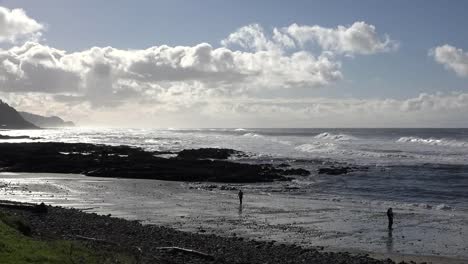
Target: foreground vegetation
[[17, 246]]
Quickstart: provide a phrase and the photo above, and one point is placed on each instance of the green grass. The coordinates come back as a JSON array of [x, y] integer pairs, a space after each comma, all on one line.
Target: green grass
[[17, 248]]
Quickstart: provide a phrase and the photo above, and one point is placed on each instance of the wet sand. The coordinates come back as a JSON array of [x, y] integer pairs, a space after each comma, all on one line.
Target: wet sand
[[420, 234]]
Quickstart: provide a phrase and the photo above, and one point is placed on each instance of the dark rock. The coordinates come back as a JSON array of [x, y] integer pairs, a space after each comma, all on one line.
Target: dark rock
[[334, 170], [208, 153], [40, 208], [338, 170], [128, 162], [298, 171], [14, 137]]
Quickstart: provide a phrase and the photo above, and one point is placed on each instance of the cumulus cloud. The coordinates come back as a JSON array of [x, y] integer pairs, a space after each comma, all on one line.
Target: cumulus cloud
[[249, 37], [216, 86], [250, 59], [108, 75], [15, 24], [253, 37], [452, 58], [34, 67], [359, 38]]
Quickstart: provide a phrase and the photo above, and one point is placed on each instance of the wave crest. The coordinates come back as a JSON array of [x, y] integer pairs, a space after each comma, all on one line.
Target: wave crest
[[433, 141], [317, 147], [253, 135], [335, 137], [272, 139]]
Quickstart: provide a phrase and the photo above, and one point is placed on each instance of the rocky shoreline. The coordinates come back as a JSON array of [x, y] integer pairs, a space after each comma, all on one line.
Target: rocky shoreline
[[158, 244], [205, 164], [16, 137]]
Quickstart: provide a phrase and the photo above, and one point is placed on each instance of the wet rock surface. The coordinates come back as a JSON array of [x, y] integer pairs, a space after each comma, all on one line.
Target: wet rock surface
[[339, 170], [147, 241], [333, 170], [209, 153], [16, 137], [130, 162]]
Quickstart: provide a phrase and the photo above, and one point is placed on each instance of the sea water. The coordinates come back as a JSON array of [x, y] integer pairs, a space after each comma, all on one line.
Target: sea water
[[421, 173], [411, 167]]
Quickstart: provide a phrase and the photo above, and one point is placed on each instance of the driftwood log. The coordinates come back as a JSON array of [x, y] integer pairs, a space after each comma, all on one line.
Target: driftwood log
[[190, 251], [95, 240]]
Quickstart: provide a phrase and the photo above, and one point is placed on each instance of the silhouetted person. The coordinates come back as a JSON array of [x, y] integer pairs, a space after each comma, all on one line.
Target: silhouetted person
[[390, 218], [241, 195]]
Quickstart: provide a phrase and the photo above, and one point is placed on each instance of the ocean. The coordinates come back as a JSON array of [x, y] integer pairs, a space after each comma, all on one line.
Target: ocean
[[424, 168], [421, 173]]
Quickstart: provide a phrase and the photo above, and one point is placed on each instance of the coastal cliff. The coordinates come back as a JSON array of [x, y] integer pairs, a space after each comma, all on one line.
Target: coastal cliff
[[46, 121], [11, 119]]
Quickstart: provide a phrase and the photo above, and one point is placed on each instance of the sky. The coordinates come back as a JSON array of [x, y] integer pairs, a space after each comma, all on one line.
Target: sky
[[237, 63]]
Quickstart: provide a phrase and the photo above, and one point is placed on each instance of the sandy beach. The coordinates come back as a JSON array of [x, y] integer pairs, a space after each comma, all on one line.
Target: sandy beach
[[420, 234]]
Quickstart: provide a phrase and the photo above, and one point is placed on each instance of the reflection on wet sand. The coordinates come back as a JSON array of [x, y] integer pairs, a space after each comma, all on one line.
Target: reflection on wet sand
[[284, 217], [390, 241]]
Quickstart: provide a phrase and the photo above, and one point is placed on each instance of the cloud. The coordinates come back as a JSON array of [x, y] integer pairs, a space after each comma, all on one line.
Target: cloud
[[452, 58], [250, 61], [189, 108], [250, 37], [253, 37], [106, 76], [213, 86], [34, 67], [15, 24], [424, 110], [359, 38]]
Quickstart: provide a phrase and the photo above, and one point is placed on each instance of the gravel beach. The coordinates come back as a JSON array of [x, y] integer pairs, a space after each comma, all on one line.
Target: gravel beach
[[148, 241], [420, 235]]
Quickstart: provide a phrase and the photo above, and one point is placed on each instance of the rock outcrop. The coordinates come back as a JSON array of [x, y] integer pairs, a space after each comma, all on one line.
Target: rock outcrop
[[130, 162], [339, 170], [16, 137], [208, 153]]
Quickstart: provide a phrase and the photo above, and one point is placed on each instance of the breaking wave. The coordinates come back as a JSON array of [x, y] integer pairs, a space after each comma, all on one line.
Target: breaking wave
[[433, 141], [317, 147], [253, 135], [272, 139], [335, 137]]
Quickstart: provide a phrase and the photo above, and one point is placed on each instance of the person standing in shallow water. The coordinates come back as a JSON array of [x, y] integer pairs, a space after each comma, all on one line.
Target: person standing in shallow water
[[240, 195], [390, 218]]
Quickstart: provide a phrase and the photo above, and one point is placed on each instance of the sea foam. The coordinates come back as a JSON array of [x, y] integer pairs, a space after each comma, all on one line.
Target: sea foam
[[335, 137], [317, 147], [433, 141], [267, 138]]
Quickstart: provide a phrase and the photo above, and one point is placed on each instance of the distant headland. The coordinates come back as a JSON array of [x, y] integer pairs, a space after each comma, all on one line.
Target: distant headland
[[10, 118]]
